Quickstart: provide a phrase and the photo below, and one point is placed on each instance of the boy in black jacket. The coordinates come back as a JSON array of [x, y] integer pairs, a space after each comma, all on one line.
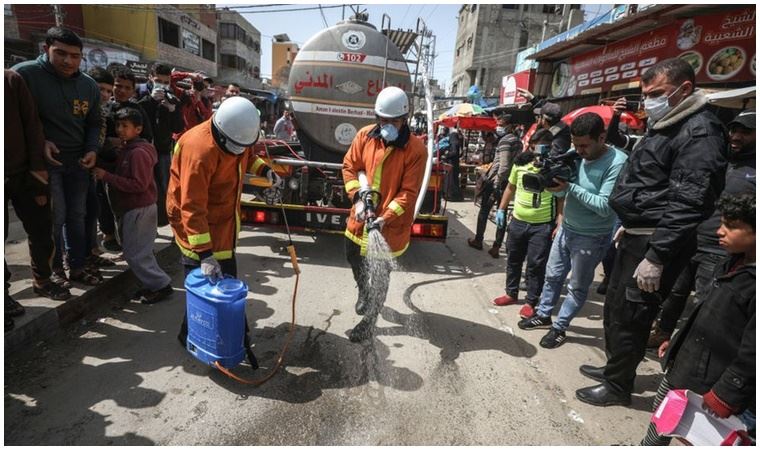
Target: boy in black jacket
[[714, 354]]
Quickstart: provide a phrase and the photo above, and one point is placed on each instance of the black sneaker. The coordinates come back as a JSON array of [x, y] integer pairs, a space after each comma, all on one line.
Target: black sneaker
[[12, 307], [151, 297], [112, 245], [535, 322], [553, 339]]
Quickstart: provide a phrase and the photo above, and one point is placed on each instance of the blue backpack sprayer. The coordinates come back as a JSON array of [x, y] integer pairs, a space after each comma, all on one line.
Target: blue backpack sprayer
[[217, 332]]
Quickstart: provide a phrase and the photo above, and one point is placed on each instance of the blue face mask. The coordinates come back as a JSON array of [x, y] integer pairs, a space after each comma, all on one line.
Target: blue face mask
[[388, 132]]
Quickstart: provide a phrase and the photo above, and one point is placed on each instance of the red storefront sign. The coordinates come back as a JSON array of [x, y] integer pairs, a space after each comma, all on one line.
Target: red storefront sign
[[510, 83], [720, 47]]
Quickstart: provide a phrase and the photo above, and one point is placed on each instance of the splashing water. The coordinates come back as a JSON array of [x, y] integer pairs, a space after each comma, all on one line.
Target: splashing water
[[379, 258]]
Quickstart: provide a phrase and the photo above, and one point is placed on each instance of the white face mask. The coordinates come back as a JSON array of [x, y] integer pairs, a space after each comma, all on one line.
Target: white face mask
[[501, 131], [388, 132], [658, 107]]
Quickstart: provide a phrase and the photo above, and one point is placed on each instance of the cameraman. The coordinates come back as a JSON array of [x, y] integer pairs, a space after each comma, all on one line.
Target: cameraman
[[586, 228], [162, 109], [531, 229]]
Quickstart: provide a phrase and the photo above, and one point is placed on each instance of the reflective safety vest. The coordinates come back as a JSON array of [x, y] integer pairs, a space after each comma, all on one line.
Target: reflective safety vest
[[395, 172], [203, 198]]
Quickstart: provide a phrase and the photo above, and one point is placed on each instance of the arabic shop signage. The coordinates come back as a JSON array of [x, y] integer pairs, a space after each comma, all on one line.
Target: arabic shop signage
[[720, 47], [509, 84]]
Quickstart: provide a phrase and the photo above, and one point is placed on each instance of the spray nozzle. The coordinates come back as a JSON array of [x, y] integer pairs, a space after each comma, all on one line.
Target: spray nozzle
[[371, 199]]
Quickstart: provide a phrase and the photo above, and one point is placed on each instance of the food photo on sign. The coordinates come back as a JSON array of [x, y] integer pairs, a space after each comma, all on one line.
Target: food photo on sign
[[720, 48]]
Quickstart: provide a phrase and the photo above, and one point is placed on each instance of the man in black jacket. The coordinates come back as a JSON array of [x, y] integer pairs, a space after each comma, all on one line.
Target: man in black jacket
[[667, 188], [161, 107]]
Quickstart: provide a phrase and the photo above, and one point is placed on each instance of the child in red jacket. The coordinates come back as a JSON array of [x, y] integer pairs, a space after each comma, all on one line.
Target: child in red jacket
[[132, 190]]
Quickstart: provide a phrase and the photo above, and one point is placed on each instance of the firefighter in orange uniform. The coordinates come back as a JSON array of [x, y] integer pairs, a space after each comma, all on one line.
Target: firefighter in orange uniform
[[205, 184], [394, 162]]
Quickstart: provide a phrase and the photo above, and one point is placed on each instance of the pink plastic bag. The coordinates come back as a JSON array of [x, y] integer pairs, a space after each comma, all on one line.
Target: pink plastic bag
[[680, 415]]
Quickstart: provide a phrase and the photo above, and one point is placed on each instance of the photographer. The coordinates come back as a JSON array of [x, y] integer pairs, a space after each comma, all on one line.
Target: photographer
[[162, 109], [586, 228]]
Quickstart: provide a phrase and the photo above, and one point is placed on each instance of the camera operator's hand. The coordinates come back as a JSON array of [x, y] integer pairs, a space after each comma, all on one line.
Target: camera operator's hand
[[619, 105], [561, 186], [618, 236], [158, 94]]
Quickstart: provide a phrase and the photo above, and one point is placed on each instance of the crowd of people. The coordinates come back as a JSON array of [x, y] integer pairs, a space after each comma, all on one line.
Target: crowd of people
[[88, 156], [667, 211]]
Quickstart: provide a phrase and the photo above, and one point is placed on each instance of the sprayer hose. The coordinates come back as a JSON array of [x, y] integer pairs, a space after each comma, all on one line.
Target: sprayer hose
[[281, 357]]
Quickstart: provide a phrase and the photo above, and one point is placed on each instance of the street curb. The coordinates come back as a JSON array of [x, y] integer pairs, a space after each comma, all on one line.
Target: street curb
[[48, 324]]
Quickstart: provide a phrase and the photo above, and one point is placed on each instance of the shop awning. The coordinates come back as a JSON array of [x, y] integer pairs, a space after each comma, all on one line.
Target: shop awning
[[609, 33], [733, 98]]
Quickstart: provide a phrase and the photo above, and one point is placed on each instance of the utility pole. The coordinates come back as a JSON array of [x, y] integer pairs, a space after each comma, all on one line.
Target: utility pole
[[58, 12]]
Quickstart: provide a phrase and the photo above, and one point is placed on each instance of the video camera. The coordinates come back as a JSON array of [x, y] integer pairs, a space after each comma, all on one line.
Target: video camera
[[561, 166]]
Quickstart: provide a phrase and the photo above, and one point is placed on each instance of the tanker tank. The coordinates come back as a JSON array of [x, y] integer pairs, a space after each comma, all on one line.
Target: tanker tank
[[334, 81]]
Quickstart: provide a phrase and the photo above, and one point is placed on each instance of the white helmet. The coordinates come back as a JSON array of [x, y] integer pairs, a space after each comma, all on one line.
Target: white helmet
[[392, 102], [238, 123]]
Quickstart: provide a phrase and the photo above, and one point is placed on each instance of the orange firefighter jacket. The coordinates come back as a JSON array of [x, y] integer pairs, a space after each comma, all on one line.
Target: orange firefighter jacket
[[397, 174], [203, 198]]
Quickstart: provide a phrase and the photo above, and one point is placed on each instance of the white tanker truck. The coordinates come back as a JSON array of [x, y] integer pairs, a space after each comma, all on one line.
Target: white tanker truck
[[333, 83]]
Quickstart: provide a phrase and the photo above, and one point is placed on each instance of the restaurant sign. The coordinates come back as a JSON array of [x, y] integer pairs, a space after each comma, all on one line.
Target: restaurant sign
[[720, 47]]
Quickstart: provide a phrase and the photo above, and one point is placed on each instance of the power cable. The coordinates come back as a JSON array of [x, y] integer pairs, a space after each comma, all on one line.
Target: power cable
[[323, 16], [403, 19], [241, 9], [431, 13]]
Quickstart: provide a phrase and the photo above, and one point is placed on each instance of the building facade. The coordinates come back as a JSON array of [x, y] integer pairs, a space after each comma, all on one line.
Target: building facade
[[489, 36], [187, 37], [183, 36], [239, 45], [284, 52]]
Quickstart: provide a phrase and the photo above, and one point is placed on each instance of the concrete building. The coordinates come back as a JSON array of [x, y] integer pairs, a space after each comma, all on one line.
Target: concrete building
[[183, 36], [239, 51], [489, 36], [284, 51], [187, 37]]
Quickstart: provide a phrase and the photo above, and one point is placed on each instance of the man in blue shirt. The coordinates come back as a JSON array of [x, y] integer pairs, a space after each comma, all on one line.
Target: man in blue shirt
[[586, 229]]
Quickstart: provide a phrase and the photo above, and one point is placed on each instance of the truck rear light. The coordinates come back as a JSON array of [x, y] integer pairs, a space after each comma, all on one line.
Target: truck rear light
[[261, 217], [428, 230]]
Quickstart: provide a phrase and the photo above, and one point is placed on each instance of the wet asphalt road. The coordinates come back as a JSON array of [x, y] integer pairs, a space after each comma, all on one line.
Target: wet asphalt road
[[446, 367]]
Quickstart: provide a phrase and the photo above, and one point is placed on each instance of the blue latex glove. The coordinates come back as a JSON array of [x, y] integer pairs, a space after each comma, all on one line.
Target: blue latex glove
[[501, 218]]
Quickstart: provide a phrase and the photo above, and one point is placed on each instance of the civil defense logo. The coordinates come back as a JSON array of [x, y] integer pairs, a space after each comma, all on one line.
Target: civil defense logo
[[354, 40]]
